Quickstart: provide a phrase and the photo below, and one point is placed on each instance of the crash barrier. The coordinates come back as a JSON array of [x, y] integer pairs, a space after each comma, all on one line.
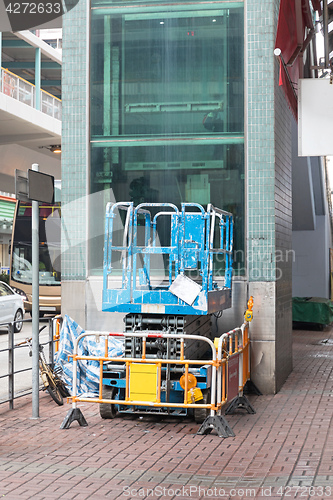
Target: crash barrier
[[12, 373], [230, 371]]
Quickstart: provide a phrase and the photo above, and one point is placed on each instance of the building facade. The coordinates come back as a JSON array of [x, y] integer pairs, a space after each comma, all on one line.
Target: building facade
[[30, 119], [180, 102]]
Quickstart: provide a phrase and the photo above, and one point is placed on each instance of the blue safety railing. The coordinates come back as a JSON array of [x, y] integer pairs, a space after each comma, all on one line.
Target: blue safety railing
[[185, 244]]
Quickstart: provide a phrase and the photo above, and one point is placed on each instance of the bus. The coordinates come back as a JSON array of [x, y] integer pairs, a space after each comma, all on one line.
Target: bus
[[20, 276]]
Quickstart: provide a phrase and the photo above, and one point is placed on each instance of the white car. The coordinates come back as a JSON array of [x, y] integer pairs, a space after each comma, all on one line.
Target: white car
[[11, 306]]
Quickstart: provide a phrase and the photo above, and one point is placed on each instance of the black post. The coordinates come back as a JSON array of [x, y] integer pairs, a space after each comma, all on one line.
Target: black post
[[11, 365]]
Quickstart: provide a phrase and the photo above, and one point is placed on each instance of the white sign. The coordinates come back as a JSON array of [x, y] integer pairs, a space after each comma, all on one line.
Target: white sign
[[315, 117]]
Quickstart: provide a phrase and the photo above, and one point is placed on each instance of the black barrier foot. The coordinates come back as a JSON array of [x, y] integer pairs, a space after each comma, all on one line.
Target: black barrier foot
[[240, 403], [73, 414], [251, 388], [219, 424]]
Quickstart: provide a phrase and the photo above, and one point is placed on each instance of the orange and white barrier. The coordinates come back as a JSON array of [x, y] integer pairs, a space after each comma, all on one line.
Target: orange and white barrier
[[230, 371], [57, 322]]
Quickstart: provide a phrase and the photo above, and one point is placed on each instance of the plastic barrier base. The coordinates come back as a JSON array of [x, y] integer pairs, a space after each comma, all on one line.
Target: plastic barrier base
[[240, 403], [251, 388], [73, 414], [217, 423]]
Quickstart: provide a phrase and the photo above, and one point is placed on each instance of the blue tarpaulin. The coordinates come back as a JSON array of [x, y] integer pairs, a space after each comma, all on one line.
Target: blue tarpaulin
[[88, 370]]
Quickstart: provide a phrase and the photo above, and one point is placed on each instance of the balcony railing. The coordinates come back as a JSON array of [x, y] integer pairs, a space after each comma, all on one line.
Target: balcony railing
[[18, 88]]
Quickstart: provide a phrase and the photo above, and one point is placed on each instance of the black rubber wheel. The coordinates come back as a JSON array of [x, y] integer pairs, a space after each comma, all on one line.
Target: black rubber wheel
[[107, 410], [18, 317], [200, 414], [61, 386], [60, 383], [54, 391], [63, 389]]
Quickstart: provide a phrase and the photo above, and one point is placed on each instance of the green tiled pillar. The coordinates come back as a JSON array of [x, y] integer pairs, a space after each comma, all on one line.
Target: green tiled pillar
[[75, 157], [269, 201], [260, 157]]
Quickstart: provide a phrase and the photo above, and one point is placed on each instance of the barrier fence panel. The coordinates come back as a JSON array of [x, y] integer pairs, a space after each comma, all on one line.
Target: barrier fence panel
[[155, 400], [229, 362], [233, 353]]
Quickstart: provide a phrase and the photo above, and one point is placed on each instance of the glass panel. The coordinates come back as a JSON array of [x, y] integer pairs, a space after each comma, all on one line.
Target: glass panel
[[167, 73], [167, 110], [174, 174], [4, 291], [49, 273]]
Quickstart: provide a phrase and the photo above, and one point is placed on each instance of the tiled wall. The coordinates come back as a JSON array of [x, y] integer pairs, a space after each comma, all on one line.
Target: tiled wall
[[260, 153], [74, 143], [283, 229], [283, 234], [269, 200]]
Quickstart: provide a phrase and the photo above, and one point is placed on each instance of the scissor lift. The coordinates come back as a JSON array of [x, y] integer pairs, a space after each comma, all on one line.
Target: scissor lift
[[140, 243]]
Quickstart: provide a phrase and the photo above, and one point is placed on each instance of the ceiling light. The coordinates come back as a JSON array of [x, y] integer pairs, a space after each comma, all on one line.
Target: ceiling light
[[54, 148]]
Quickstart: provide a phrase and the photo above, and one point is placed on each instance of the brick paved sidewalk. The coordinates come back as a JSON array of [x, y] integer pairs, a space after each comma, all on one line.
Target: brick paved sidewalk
[[285, 450]]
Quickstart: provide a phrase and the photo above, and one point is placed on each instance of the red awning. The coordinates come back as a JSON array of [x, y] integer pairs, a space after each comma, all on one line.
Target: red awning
[[316, 6], [284, 80], [292, 37]]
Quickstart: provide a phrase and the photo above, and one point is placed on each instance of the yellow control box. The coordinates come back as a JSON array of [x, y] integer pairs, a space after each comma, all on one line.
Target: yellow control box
[[143, 382]]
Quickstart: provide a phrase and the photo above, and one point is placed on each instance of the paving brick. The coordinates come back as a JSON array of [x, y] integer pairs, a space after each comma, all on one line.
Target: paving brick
[[288, 443]]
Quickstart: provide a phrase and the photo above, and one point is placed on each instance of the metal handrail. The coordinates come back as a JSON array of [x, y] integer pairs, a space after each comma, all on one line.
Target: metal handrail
[[20, 89], [11, 364]]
